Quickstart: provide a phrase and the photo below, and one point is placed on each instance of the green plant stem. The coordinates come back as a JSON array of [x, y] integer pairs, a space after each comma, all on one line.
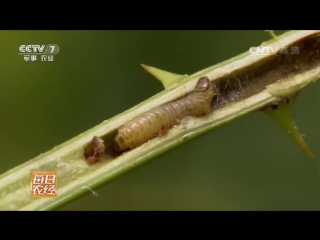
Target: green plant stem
[[76, 178]]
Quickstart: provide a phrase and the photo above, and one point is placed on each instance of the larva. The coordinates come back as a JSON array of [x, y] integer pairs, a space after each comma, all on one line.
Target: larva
[[160, 119], [94, 151]]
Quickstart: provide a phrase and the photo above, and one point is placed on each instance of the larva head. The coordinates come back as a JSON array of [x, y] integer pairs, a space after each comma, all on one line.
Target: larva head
[[202, 96], [203, 84]]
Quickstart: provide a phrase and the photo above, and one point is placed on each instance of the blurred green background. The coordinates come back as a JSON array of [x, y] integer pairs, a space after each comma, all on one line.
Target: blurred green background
[[249, 164]]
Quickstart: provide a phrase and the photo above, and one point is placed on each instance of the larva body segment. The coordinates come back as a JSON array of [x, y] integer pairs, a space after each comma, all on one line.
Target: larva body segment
[[148, 125]]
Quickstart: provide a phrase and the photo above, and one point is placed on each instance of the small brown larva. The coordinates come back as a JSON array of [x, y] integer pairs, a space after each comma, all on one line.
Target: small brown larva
[[160, 119], [94, 151]]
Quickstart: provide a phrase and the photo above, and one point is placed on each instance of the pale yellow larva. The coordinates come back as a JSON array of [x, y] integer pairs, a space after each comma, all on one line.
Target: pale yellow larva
[[153, 122]]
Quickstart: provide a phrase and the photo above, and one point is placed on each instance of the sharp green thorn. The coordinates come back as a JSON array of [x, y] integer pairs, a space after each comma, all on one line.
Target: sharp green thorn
[[272, 34], [166, 78], [283, 115]]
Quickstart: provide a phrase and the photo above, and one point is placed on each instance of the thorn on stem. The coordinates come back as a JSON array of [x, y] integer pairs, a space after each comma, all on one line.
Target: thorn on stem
[[93, 192], [272, 34]]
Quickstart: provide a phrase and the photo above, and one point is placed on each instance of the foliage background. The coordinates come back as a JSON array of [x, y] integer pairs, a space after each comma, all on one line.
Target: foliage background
[[249, 164]]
